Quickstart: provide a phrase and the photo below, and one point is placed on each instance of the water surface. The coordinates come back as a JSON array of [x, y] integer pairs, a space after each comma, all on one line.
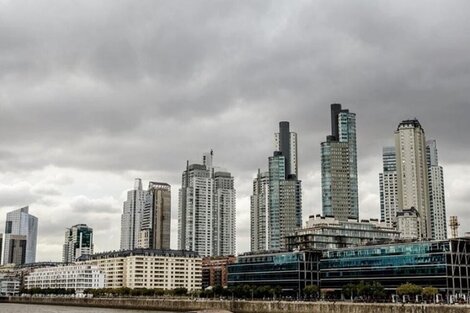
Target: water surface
[[39, 308]]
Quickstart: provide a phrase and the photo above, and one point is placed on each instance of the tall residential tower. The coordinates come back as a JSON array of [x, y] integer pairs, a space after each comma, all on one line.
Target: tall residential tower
[[131, 216], [412, 173], [206, 210], [339, 166]]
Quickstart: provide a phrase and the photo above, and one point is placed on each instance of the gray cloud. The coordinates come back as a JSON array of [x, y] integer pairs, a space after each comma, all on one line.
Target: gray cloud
[[120, 89]]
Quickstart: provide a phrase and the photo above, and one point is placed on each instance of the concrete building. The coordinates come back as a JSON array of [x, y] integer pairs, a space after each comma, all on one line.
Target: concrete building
[[21, 230], [214, 271], [148, 268], [323, 232], [259, 213], [409, 223], [389, 187], [286, 143], [339, 166], [9, 286], [155, 228], [77, 276], [225, 204], [78, 241], [285, 203], [206, 210], [437, 201], [412, 173], [132, 216]]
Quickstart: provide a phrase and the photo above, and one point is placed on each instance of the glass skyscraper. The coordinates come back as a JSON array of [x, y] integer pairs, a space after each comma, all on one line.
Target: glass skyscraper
[[78, 241], [20, 223], [339, 166]]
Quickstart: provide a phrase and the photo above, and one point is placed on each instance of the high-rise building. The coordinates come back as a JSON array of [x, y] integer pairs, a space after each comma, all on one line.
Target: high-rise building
[[286, 143], [78, 241], [259, 214], [20, 223], [156, 217], [276, 203], [206, 210], [436, 193], [389, 187], [131, 216], [412, 173], [224, 202], [339, 166]]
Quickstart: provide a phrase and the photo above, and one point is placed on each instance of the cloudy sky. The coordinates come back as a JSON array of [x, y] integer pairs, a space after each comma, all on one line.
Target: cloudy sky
[[96, 93]]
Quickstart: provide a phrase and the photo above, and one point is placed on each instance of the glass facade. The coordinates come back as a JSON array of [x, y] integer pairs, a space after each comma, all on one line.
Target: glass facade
[[291, 271], [441, 264]]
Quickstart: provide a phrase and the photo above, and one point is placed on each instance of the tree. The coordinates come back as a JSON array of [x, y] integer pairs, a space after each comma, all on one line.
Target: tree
[[409, 289], [311, 291], [180, 291], [429, 293], [350, 291]]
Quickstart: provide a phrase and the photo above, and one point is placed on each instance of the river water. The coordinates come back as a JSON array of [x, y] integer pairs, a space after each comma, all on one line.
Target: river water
[[33, 308]]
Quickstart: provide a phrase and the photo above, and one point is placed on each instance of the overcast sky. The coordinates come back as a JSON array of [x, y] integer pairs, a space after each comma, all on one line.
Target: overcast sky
[[96, 93]]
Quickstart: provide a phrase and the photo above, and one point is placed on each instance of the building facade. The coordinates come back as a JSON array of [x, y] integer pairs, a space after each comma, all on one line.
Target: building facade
[[324, 233], [78, 241], [21, 230], [132, 216], [207, 210], [409, 223], [412, 173], [291, 271], [436, 193], [286, 143], [214, 271], [155, 228], [77, 276], [389, 187], [441, 264], [259, 213], [339, 166], [149, 268]]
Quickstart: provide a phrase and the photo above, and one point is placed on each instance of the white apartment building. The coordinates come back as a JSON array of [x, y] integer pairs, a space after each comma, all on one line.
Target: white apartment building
[[412, 173], [408, 224], [132, 215], [78, 277], [146, 268]]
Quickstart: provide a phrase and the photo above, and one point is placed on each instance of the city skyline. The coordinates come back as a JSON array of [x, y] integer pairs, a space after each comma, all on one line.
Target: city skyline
[[81, 118]]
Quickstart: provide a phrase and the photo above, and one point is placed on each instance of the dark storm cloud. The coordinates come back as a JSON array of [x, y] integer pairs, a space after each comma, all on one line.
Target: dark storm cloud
[[125, 87]]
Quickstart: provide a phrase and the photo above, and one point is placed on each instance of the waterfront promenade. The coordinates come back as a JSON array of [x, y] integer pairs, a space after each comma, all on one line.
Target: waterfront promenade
[[240, 306]]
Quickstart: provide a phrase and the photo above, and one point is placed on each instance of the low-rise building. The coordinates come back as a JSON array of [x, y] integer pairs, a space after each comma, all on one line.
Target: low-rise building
[[291, 271], [325, 232], [408, 223], [440, 264], [149, 268], [78, 277], [9, 286], [214, 270]]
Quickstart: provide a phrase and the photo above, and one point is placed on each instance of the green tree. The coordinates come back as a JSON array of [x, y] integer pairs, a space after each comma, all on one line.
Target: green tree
[[311, 291], [409, 289], [429, 293]]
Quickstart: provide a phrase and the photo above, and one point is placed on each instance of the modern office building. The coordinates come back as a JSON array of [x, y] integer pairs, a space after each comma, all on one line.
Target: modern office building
[[389, 187], [214, 271], [207, 210], [155, 228], [339, 166], [412, 173], [291, 271], [78, 241], [131, 217], [323, 232], [259, 213], [436, 193], [441, 264], [1, 248], [78, 277], [21, 230], [149, 268]]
